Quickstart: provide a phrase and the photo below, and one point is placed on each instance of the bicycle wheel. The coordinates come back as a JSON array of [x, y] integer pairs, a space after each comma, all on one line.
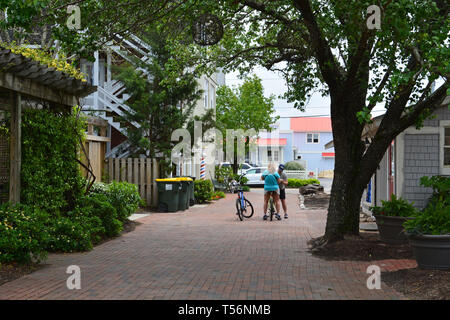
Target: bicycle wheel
[[239, 209], [247, 212], [272, 210]]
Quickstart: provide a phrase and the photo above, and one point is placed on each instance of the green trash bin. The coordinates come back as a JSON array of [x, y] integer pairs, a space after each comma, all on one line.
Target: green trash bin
[[190, 199], [183, 200], [192, 195], [168, 194]]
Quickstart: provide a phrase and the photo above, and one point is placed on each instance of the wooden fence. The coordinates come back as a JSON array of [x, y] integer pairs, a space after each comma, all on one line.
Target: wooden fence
[[95, 147], [140, 171]]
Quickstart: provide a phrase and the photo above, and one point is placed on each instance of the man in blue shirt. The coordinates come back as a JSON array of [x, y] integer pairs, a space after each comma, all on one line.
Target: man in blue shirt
[[271, 180]]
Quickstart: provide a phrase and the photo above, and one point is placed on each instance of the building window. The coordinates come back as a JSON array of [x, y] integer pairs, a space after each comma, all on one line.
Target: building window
[[447, 147], [312, 138], [206, 89], [273, 156], [213, 96], [444, 158]]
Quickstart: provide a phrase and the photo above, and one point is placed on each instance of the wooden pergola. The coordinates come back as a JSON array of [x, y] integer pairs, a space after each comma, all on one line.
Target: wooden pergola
[[27, 83]]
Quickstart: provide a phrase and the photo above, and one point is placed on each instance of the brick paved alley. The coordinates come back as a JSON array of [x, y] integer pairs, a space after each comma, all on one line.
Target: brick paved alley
[[207, 253]]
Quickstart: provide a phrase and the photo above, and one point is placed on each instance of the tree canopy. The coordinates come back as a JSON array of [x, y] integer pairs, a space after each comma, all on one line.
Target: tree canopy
[[162, 93], [319, 45], [244, 107]]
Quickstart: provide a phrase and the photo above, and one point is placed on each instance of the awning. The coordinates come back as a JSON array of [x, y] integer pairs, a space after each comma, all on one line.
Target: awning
[[271, 142], [328, 154]]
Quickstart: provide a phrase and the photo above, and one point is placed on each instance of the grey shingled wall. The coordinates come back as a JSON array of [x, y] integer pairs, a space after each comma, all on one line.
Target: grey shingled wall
[[440, 114], [421, 159]]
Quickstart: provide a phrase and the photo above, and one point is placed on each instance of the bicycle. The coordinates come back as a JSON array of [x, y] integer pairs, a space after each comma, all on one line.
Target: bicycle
[[271, 208], [243, 206]]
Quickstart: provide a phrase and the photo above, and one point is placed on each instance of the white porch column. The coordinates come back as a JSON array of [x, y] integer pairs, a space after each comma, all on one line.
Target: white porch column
[[108, 70], [95, 76]]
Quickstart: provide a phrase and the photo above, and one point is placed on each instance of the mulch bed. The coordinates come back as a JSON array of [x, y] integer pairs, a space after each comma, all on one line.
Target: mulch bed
[[420, 284], [13, 271], [365, 247]]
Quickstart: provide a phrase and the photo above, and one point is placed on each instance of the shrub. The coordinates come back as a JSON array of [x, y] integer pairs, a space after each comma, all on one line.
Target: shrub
[[245, 188], [23, 236], [99, 206], [441, 189], [99, 187], [77, 231], [50, 173], [203, 190], [396, 207], [223, 174], [293, 165], [123, 196], [434, 220], [242, 180], [297, 183], [218, 195]]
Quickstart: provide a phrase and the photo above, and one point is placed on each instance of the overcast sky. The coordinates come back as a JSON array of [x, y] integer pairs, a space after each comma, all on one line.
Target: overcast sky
[[274, 84]]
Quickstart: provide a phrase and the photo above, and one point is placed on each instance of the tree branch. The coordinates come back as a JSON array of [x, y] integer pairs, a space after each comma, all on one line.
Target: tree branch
[[325, 58]]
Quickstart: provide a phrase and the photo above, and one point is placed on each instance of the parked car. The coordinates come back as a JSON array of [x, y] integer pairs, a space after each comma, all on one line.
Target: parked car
[[254, 176], [243, 167]]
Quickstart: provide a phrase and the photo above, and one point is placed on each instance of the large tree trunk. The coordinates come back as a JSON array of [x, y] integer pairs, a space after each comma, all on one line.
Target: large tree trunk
[[344, 207], [351, 174]]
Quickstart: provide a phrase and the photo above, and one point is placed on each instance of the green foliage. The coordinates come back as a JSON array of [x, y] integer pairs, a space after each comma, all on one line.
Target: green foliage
[[77, 231], [246, 188], [223, 174], [45, 58], [297, 183], [293, 165], [50, 174], [124, 197], [203, 190], [441, 189], [23, 236], [435, 218], [99, 206], [244, 108], [159, 105], [396, 207], [242, 180], [217, 195]]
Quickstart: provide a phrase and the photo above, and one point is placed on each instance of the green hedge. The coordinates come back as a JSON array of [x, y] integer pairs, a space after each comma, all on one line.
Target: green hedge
[[203, 190], [27, 233], [293, 165], [50, 174], [23, 234], [296, 183], [123, 196], [55, 214]]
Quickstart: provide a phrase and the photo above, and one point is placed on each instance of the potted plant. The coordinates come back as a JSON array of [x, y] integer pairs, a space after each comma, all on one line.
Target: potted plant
[[429, 232], [390, 218]]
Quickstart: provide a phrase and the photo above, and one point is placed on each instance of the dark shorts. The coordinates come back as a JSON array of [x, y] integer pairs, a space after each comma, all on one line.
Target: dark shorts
[[282, 194]]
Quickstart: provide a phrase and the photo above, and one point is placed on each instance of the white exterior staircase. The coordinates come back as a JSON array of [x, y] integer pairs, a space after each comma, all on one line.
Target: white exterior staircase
[[111, 97]]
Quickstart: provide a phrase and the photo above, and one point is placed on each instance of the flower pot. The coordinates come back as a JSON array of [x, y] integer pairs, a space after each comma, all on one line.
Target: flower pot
[[391, 229], [431, 251]]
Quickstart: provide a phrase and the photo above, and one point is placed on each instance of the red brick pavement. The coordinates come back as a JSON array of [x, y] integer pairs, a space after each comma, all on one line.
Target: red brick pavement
[[207, 253]]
